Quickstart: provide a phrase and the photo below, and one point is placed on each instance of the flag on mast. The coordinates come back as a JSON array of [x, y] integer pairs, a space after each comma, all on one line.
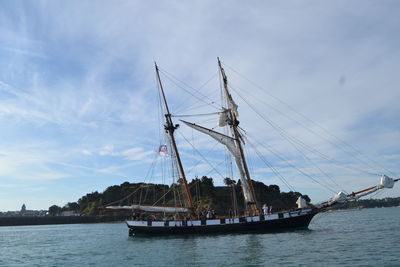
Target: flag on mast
[[163, 150]]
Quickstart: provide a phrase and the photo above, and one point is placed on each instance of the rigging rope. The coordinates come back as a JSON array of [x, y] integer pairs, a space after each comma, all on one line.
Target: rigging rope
[[299, 170], [294, 139], [313, 122], [201, 155], [187, 109], [152, 166], [199, 161], [196, 115], [172, 78], [289, 139], [276, 172]]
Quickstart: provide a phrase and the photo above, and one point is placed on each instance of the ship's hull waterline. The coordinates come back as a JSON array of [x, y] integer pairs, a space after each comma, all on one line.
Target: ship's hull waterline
[[273, 222]]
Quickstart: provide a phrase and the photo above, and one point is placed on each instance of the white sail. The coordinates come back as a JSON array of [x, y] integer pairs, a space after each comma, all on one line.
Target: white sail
[[340, 197], [245, 185], [233, 106], [149, 208], [223, 118], [387, 182], [301, 203], [229, 142]]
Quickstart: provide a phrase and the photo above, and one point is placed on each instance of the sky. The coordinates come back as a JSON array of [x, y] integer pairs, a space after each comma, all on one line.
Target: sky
[[78, 96]]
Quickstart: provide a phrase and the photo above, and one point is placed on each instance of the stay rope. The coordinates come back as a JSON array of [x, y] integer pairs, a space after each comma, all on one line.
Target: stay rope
[[357, 151], [292, 139]]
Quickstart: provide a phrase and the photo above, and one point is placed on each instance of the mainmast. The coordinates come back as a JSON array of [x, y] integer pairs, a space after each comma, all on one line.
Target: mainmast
[[170, 128], [247, 185]]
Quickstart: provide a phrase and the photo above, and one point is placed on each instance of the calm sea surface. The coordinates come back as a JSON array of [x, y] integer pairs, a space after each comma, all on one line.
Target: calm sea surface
[[369, 237]]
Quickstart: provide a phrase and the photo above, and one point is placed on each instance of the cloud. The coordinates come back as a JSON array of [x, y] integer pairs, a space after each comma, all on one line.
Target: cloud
[[78, 98], [86, 152], [28, 165], [136, 153], [107, 150], [9, 186], [130, 154]]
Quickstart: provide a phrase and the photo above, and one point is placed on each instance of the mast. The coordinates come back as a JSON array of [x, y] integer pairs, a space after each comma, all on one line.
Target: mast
[[251, 202], [170, 128]]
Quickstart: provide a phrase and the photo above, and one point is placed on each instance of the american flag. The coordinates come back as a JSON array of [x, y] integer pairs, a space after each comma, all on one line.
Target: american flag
[[163, 150]]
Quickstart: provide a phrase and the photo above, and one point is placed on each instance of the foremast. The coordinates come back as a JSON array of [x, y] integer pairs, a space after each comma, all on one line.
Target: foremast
[[247, 185], [170, 129]]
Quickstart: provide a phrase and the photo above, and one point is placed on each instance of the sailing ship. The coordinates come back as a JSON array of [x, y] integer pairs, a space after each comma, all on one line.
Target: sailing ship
[[254, 217]]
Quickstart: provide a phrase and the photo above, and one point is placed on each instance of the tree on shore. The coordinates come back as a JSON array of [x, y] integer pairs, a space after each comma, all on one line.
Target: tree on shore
[[205, 195], [54, 210], [71, 206]]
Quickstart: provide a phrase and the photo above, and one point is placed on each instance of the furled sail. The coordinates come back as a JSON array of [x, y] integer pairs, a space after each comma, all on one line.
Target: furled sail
[[386, 182], [340, 197], [229, 142], [234, 107], [301, 203], [223, 118], [149, 208]]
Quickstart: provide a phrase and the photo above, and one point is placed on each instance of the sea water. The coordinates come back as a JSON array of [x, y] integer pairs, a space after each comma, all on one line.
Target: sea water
[[367, 237]]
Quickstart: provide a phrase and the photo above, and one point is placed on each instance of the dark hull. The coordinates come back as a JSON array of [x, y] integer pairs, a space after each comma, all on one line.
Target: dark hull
[[301, 221]]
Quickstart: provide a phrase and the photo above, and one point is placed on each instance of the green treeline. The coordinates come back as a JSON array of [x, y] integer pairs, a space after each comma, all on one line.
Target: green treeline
[[204, 193]]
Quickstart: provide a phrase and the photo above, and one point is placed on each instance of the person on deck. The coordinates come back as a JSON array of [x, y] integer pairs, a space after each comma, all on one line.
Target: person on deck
[[231, 215], [265, 209], [209, 215]]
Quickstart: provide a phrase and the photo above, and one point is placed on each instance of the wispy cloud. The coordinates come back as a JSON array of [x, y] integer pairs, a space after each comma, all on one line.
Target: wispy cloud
[[27, 164], [78, 98]]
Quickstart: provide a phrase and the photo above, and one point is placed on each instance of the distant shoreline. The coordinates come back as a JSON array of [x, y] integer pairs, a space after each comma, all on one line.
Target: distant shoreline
[[49, 220], [368, 204], [52, 220]]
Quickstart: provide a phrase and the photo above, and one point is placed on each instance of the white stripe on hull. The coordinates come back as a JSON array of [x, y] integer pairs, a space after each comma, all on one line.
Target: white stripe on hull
[[269, 217]]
